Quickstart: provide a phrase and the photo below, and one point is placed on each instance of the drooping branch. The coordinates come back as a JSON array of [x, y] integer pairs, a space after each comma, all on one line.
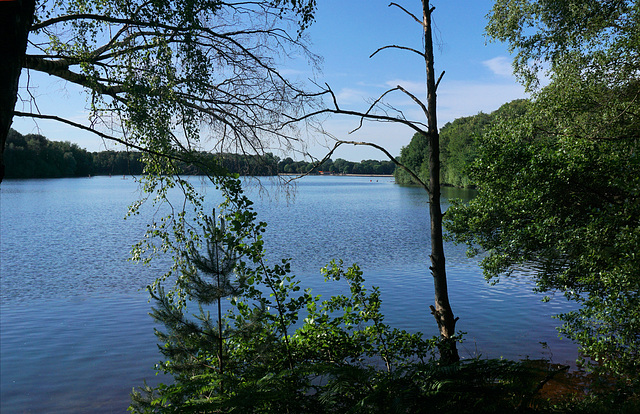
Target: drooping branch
[[98, 133], [393, 159], [398, 47]]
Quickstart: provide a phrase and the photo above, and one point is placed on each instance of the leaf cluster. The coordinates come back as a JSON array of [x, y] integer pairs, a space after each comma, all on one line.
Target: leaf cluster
[[559, 186], [458, 147]]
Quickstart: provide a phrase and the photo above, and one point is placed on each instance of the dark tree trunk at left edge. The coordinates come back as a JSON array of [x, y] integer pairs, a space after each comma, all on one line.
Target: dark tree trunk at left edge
[[16, 17]]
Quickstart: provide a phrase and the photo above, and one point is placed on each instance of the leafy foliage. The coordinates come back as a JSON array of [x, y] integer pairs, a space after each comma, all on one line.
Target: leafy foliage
[[177, 78], [339, 166], [457, 147], [33, 156], [559, 187], [278, 348], [268, 360], [592, 33]]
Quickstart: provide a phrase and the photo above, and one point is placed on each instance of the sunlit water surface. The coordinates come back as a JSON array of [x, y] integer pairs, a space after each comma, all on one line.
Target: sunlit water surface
[[75, 334]]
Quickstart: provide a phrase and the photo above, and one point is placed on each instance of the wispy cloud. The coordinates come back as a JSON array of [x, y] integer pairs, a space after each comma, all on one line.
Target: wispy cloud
[[455, 99], [352, 96], [500, 66], [416, 88]]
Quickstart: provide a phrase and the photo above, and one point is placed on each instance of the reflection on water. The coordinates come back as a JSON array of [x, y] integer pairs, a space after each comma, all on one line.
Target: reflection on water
[[76, 336]]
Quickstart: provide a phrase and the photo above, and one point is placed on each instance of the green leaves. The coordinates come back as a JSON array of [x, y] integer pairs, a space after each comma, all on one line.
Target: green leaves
[[543, 33], [458, 146], [278, 346], [558, 196]]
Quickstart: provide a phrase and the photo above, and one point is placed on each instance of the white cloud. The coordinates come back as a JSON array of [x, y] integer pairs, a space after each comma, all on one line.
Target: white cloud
[[500, 66], [455, 99], [351, 96]]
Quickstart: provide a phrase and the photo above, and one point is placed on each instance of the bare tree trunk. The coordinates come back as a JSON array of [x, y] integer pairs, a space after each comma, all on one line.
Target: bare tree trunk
[[16, 17], [442, 310]]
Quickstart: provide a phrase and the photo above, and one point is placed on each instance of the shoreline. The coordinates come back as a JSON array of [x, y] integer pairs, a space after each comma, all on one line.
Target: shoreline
[[336, 175]]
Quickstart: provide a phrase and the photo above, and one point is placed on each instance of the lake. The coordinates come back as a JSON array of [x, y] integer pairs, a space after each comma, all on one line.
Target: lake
[[75, 335]]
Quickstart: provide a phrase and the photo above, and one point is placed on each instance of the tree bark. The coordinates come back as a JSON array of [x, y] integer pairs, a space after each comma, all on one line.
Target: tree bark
[[442, 309], [16, 17]]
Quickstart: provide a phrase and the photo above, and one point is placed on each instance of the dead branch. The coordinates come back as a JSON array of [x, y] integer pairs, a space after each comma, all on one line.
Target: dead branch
[[398, 47], [373, 105], [439, 79], [416, 100], [363, 115], [406, 11], [98, 133]]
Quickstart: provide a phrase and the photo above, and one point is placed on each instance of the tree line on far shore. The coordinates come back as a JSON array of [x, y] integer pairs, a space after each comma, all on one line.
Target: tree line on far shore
[[458, 146], [35, 156]]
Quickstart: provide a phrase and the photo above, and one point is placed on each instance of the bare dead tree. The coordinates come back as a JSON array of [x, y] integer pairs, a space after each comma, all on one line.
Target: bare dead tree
[[441, 310]]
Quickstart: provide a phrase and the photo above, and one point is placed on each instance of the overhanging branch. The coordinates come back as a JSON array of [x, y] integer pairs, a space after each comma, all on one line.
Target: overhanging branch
[[98, 133], [60, 68]]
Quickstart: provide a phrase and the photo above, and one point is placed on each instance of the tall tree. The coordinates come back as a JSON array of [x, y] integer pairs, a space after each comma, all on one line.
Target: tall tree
[[15, 21], [441, 310], [161, 76], [558, 188]]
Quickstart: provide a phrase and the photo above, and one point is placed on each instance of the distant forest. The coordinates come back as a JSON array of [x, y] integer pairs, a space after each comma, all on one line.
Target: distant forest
[[34, 156], [458, 146]]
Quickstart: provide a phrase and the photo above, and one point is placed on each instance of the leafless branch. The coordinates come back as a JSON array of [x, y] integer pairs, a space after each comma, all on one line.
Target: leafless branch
[[416, 126], [373, 105], [415, 99], [409, 13], [439, 79], [93, 131], [397, 47]]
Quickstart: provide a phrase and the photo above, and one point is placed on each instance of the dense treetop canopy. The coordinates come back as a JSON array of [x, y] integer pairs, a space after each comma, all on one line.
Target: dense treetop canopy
[[592, 34], [559, 187], [458, 147]]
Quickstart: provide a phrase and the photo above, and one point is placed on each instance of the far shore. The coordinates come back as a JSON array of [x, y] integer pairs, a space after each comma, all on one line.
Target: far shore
[[338, 175]]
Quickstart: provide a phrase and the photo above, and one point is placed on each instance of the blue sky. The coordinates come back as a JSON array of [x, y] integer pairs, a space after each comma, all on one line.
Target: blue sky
[[478, 74]]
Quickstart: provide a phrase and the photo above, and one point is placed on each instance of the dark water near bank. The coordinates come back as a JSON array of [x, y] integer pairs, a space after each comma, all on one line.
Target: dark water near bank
[[75, 336]]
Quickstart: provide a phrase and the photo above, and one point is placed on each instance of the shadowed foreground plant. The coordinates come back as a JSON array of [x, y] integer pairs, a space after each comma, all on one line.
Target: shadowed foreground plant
[[280, 349]]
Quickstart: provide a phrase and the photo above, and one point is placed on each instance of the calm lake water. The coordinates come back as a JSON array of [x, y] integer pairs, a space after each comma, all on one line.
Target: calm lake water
[[75, 334]]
